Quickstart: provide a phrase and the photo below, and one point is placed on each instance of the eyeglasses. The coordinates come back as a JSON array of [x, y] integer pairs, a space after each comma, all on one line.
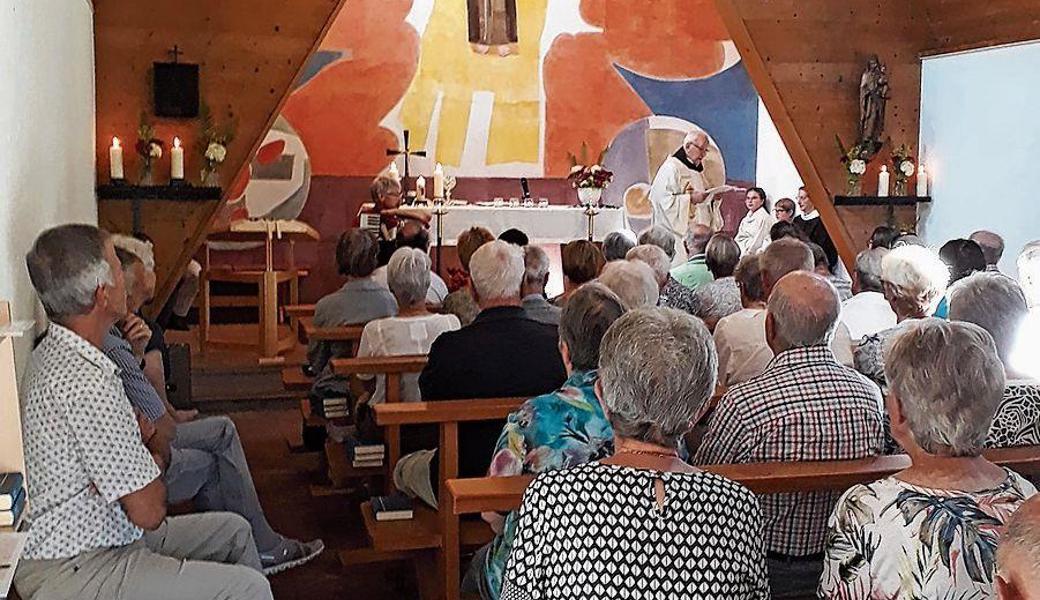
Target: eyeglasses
[[783, 210]]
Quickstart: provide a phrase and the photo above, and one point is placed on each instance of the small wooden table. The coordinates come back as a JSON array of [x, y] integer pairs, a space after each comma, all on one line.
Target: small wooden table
[[267, 280]]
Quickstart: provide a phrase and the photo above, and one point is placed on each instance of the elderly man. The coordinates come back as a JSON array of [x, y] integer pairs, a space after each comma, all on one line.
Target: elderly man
[[996, 303], [678, 185], [502, 353], [632, 281], [992, 247], [672, 293], [558, 430], [867, 312], [98, 525], [617, 244], [536, 276], [805, 406], [812, 225], [207, 462], [740, 337], [1018, 554], [694, 272]]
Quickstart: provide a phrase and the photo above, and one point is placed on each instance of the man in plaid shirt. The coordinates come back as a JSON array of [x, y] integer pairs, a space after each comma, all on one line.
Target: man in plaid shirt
[[805, 406]]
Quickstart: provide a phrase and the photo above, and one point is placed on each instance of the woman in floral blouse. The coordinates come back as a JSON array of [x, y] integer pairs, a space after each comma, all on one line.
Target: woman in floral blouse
[[930, 531]]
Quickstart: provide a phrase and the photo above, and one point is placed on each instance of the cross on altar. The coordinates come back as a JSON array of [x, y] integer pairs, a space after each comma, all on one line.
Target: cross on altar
[[407, 152]]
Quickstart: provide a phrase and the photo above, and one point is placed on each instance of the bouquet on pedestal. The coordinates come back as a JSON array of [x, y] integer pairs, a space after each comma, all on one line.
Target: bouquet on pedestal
[[589, 180]]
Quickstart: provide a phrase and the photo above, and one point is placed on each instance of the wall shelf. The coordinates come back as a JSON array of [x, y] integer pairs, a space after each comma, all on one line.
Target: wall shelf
[[880, 200], [181, 193]]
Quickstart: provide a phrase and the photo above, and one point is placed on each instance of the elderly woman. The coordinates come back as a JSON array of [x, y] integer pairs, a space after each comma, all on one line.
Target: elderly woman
[[360, 300], [617, 244], [582, 262], [632, 281], [642, 519], [413, 329], [929, 531], [996, 303], [461, 302], [914, 279], [721, 297], [753, 232], [672, 293]]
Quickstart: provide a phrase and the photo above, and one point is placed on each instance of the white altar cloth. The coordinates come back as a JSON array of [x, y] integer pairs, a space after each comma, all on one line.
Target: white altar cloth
[[548, 225]]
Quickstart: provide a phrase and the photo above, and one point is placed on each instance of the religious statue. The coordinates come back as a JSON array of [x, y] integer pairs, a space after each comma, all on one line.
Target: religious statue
[[492, 25], [873, 94]]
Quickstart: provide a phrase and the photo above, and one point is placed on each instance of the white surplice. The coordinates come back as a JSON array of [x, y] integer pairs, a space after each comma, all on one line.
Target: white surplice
[[753, 233], [671, 203]]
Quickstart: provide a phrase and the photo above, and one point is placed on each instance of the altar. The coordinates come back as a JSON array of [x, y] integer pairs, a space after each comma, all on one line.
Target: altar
[[543, 225]]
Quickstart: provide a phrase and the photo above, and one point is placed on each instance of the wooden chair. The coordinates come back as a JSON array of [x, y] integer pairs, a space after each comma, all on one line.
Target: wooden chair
[[423, 537], [501, 494]]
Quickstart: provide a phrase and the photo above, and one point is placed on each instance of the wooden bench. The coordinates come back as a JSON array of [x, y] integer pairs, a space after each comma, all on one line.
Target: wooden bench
[[502, 494], [422, 537]]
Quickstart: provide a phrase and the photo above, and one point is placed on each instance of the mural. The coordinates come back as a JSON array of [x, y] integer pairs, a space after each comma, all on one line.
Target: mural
[[507, 88]]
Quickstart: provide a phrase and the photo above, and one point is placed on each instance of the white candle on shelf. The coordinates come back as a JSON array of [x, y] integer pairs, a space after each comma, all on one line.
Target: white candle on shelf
[[177, 160], [438, 181], [115, 159], [922, 182], [882, 182]]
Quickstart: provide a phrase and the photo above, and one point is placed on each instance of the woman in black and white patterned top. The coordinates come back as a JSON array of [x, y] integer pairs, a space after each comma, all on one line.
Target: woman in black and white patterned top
[[642, 523]]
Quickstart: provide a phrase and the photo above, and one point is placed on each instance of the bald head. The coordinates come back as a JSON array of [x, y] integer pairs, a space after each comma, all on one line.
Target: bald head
[[781, 257], [992, 245], [1018, 555], [697, 238], [802, 311]]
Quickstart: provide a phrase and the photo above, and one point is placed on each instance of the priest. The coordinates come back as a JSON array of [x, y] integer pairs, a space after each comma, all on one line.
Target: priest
[[678, 185]]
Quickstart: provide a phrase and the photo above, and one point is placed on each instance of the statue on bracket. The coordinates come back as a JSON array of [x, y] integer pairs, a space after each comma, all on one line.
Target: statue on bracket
[[873, 95]]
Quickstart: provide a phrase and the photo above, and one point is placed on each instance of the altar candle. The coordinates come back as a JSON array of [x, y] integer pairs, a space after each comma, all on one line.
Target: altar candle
[[420, 186], [882, 182], [438, 181], [392, 172], [922, 182], [115, 159], [177, 160]]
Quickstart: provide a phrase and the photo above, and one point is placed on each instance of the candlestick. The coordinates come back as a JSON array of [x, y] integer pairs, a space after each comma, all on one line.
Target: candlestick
[[438, 181], [177, 160], [115, 159], [882, 182], [420, 188], [922, 182]]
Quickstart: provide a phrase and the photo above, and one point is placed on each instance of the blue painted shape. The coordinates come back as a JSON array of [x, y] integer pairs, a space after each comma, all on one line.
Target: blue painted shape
[[726, 105], [627, 158], [317, 62]]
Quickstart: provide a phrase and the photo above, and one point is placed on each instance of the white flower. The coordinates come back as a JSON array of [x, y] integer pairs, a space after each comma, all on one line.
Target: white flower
[[216, 152], [595, 169], [154, 150], [858, 166], [577, 169], [907, 168]]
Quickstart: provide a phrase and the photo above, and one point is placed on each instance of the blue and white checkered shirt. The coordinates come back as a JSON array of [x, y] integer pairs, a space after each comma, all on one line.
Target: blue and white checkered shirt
[[138, 389]]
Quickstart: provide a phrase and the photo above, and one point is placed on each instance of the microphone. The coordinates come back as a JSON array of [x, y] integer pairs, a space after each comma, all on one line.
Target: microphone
[[525, 188]]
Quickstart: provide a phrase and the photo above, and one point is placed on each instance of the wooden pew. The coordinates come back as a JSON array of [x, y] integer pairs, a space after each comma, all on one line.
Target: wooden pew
[[425, 533], [501, 494]]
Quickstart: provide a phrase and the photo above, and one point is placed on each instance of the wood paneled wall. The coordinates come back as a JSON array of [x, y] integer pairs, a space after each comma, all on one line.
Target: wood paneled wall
[[967, 24], [249, 51]]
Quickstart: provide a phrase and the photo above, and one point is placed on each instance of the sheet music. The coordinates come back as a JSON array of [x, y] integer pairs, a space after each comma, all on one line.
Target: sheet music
[[11, 545]]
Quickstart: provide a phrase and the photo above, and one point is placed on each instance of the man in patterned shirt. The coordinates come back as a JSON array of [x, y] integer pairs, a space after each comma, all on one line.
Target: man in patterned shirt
[[558, 430], [805, 406], [97, 518]]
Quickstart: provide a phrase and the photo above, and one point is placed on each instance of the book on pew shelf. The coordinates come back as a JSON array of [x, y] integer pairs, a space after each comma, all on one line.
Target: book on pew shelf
[[333, 402], [359, 451], [10, 484], [9, 517], [395, 507], [373, 462], [337, 413]]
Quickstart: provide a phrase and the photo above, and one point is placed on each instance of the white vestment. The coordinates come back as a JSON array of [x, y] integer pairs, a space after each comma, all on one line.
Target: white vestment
[[671, 203]]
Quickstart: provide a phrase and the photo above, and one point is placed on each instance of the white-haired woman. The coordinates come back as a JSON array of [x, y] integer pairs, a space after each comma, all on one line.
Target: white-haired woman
[[633, 281], [413, 329], [642, 519], [929, 531], [914, 280]]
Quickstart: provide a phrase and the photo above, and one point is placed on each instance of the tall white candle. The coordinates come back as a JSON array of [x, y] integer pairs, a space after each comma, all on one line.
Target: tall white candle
[[882, 182], [420, 187], [115, 159], [177, 160], [438, 181], [922, 182]]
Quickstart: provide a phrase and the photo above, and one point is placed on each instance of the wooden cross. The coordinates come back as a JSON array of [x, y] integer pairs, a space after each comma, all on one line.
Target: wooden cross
[[406, 152], [175, 52]]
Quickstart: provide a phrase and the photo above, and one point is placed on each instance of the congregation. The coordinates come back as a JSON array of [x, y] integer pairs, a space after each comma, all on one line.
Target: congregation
[[920, 352]]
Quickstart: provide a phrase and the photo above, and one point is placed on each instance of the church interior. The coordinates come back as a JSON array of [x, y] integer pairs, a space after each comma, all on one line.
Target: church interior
[[519, 299]]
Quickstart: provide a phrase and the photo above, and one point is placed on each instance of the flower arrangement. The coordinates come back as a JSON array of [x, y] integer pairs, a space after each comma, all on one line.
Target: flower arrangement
[[149, 147], [583, 175], [213, 145], [903, 168], [855, 161]]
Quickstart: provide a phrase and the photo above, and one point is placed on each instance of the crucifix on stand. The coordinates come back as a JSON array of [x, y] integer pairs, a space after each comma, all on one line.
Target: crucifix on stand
[[407, 152]]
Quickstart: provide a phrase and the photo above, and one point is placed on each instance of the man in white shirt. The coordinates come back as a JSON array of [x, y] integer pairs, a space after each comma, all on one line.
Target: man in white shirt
[[679, 183], [867, 312]]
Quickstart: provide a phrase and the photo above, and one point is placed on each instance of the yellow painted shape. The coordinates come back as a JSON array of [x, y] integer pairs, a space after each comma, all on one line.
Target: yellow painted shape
[[448, 65]]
